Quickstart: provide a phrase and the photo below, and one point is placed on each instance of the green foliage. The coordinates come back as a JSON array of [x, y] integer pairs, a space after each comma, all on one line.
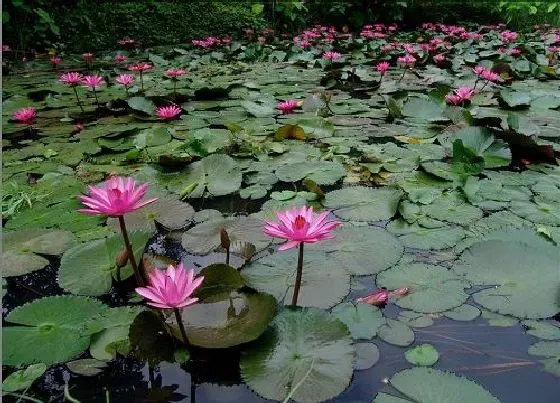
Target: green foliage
[[523, 14]]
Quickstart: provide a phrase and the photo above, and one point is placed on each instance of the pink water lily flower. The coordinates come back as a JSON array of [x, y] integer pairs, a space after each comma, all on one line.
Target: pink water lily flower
[[453, 99], [125, 80], [300, 224], [332, 56], [287, 106], [382, 67], [465, 92], [175, 73], [168, 112], [93, 82], [490, 76], [140, 67], [120, 58], [378, 298], [25, 115], [88, 57], [115, 197], [72, 79], [478, 70], [407, 60], [55, 60], [439, 58], [172, 288]]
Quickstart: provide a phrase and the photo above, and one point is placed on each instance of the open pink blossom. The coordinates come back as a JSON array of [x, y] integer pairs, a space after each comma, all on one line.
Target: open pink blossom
[[72, 79], [300, 224], [377, 298], [25, 115], [382, 67], [332, 56], [407, 60], [115, 197], [439, 58], [78, 127], [515, 52], [125, 80], [172, 288], [120, 58], [88, 57], [508, 36], [478, 70], [140, 67], [453, 99], [490, 76], [168, 112], [465, 92], [287, 106], [175, 73], [55, 60], [93, 82]]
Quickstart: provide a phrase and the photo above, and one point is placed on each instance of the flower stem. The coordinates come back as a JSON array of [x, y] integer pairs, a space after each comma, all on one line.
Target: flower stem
[[175, 88], [299, 274], [95, 95], [180, 323], [78, 99], [400, 79], [141, 82], [137, 274]]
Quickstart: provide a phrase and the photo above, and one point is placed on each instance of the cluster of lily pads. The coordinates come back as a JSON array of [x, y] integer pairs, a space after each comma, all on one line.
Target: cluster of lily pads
[[428, 156]]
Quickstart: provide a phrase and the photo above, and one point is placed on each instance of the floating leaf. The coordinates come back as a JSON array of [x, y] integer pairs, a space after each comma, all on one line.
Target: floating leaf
[[149, 338], [308, 358], [434, 386], [87, 366], [515, 99], [548, 330], [431, 288], [463, 313], [424, 355], [362, 203], [287, 132], [320, 172], [219, 278], [423, 109], [395, 332], [24, 378], [362, 250], [362, 320], [523, 276], [142, 104], [58, 324], [367, 355], [88, 269], [325, 283]]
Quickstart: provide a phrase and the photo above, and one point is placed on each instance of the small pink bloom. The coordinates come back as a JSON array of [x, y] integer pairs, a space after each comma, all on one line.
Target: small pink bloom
[[174, 73], [120, 58], [6, 48], [140, 67], [515, 52], [465, 93], [261, 39], [72, 79], [490, 76], [88, 57], [25, 115], [115, 197], [172, 288], [78, 127], [332, 56], [409, 48], [168, 112], [382, 67], [55, 60], [439, 58], [508, 36], [407, 60], [478, 70], [93, 82], [300, 224], [453, 99], [378, 298], [125, 80], [287, 106]]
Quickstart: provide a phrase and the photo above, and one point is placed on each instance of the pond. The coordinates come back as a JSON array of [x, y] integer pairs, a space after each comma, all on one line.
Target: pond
[[157, 246]]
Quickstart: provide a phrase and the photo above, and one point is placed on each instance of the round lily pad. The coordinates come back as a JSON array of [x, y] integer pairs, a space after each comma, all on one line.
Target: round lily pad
[[362, 250], [308, 357], [521, 276], [58, 324], [24, 378], [324, 283], [320, 172], [463, 313], [546, 330], [367, 354], [362, 320], [396, 332], [361, 203], [431, 288], [424, 355], [434, 386]]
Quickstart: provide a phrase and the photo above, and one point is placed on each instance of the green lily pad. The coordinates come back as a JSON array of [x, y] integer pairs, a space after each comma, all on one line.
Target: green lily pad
[[324, 284], [142, 104], [463, 313], [360, 203], [20, 249], [424, 355], [87, 366], [219, 278], [515, 99], [362, 320], [515, 290], [431, 288], [545, 349], [415, 236], [423, 109], [307, 358], [434, 386], [88, 269], [24, 378], [362, 250], [149, 339], [367, 355], [320, 172], [452, 208], [543, 330], [228, 319], [396, 333], [58, 324]]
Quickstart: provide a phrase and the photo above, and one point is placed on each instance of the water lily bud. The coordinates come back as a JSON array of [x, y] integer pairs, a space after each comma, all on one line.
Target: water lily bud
[[122, 257], [379, 297], [224, 239]]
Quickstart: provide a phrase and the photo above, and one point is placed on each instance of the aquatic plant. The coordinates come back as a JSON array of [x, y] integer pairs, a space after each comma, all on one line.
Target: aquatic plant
[[73, 80]]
